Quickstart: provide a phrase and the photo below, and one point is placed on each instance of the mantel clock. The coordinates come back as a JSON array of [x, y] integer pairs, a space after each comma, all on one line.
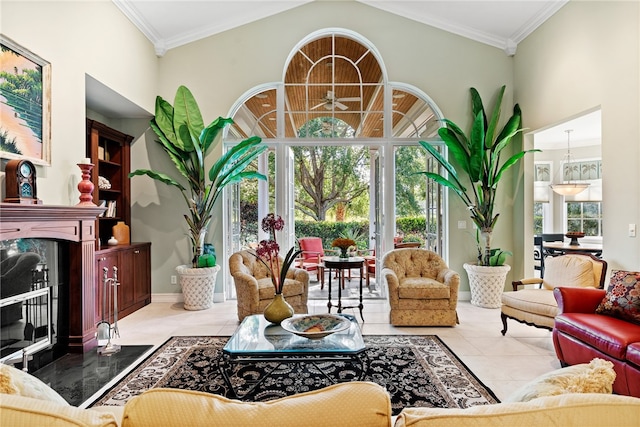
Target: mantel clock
[[20, 182]]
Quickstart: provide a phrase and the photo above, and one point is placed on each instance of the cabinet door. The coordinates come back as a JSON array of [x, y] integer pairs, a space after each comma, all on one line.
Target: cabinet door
[[142, 274], [126, 290], [104, 311]]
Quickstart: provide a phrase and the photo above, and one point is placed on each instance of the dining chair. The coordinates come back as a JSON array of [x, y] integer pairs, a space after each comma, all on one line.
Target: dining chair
[[537, 254], [546, 252], [311, 257]]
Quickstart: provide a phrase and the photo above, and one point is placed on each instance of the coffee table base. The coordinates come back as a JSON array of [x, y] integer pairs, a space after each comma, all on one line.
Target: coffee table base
[[227, 367]]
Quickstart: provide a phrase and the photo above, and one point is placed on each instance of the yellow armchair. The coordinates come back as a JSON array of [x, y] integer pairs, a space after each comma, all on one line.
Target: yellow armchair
[[254, 289], [423, 290]]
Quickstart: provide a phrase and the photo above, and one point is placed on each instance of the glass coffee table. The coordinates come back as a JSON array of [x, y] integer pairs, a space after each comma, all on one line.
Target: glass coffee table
[[257, 340]]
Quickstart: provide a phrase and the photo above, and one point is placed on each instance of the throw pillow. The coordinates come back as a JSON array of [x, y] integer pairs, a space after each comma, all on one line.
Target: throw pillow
[[622, 299], [596, 376], [568, 270], [15, 381]]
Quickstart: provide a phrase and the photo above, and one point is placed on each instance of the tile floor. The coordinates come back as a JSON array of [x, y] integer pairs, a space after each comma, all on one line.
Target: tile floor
[[502, 363]]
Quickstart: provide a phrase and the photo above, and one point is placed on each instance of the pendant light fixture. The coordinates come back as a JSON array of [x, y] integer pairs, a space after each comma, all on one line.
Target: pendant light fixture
[[568, 188]]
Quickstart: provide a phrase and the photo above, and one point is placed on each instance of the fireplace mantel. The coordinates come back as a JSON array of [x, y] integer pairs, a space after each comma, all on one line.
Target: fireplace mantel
[[75, 224]]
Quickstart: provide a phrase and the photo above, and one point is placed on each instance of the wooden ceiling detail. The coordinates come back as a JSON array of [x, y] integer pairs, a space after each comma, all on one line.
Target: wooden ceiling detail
[[318, 79]]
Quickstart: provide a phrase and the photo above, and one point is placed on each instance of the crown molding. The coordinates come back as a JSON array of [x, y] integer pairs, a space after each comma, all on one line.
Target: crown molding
[[138, 20], [530, 26]]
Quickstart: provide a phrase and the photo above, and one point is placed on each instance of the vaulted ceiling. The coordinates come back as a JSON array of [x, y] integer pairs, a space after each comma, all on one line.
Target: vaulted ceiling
[[172, 23], [503, 24]]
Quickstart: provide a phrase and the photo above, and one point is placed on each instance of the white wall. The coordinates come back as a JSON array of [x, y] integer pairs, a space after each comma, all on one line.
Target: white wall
[[588, 55], [79, 38]]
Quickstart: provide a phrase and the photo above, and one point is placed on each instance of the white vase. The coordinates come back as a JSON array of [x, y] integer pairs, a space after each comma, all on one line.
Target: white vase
[[198, 286], [486, 284]]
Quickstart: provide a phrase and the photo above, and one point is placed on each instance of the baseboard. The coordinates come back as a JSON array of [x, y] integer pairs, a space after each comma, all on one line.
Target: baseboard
[[464, 295], [167, 297], [173, 298]]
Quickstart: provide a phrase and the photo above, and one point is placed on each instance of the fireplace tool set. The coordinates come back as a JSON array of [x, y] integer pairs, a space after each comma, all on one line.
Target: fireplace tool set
[[105, 330]]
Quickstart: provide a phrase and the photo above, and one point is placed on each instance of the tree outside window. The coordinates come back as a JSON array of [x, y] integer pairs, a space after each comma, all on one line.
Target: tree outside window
[[585, 217], [538, 218]]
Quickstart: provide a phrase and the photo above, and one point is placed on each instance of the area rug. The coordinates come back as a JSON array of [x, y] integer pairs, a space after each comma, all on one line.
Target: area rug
[[418, 371]]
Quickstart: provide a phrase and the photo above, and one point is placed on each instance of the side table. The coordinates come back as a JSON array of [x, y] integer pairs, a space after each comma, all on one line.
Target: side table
[[340, 265]]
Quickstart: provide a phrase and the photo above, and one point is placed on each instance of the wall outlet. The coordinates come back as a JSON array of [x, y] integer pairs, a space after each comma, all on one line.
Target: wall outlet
[[174, 280], [462, 225]]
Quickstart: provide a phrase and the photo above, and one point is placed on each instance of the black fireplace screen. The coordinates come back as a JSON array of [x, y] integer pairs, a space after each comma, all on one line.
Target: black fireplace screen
[[31, 297]]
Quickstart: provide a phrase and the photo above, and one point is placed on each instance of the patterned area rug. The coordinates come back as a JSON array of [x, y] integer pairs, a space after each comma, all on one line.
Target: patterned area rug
[[415, 370]]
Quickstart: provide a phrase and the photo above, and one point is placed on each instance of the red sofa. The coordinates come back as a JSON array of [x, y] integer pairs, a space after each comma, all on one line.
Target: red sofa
[[580, 334]]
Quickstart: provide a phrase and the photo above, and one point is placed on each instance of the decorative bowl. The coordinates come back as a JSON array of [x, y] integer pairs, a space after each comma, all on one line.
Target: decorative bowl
[[574, 236], [315, 326]]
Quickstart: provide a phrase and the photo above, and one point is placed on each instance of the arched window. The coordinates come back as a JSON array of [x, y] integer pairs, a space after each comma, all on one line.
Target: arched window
[[335, 93]]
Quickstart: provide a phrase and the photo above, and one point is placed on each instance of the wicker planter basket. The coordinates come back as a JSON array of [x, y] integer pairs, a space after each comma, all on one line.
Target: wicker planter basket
[[198, 285], [486, 284]]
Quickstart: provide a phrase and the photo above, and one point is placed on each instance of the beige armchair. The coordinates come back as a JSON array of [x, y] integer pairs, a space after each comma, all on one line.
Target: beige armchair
[[254, 290], [538, 307], [423, 291]]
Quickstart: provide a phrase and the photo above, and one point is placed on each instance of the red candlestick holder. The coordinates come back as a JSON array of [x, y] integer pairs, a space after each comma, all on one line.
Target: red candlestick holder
[[86, 186]]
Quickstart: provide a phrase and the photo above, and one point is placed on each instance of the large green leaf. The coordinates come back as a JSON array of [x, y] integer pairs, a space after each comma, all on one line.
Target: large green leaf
[[477, 106], [456, 148], [176, 155], [228, 157], [456, 129], [166, 179], [238, 165], [512, 161], [495, 118], [210, 133], [185, 142], [439, 179], [443, 162], [513, 125], [476, 148], [186, 112], [164, 120]]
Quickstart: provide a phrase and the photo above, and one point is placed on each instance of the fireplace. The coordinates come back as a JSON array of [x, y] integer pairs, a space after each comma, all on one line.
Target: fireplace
[[50, 300]]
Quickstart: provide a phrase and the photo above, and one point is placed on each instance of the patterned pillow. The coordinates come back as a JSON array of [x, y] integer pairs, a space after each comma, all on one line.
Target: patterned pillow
[[15, 381], [622, 299], [596, 376]]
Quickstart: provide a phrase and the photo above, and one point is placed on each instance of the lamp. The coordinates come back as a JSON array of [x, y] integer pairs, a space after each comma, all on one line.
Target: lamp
[[568, 188]]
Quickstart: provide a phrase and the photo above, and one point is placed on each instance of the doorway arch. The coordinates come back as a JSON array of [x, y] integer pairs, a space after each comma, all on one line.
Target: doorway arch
[[336, 78]]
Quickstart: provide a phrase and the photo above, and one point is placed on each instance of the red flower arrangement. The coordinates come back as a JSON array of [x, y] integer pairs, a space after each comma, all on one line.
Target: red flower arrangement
[[268, 252]]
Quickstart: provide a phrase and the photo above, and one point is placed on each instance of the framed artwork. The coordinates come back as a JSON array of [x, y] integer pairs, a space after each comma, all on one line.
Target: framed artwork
[[25, 104]]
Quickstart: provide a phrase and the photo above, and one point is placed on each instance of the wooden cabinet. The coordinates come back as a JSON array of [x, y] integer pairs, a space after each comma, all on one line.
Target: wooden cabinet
[[109, 151], [134, 275]]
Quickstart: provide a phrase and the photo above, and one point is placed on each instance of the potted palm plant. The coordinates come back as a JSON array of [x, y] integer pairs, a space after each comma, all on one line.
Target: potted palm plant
[[187, 141], [477, 159]]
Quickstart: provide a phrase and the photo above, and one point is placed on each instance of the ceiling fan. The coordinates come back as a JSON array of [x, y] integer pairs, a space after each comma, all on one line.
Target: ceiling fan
[[330, 99]]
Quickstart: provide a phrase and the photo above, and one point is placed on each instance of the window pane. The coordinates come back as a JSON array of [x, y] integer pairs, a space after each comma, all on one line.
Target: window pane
[[538, 218], [574, 210], [574, 225], [591, 210], [590, 227]]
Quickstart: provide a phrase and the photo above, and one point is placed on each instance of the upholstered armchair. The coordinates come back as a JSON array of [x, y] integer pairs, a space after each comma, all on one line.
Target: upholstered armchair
[[254, 289], [423, 291], [537, 306], [311, 257]]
